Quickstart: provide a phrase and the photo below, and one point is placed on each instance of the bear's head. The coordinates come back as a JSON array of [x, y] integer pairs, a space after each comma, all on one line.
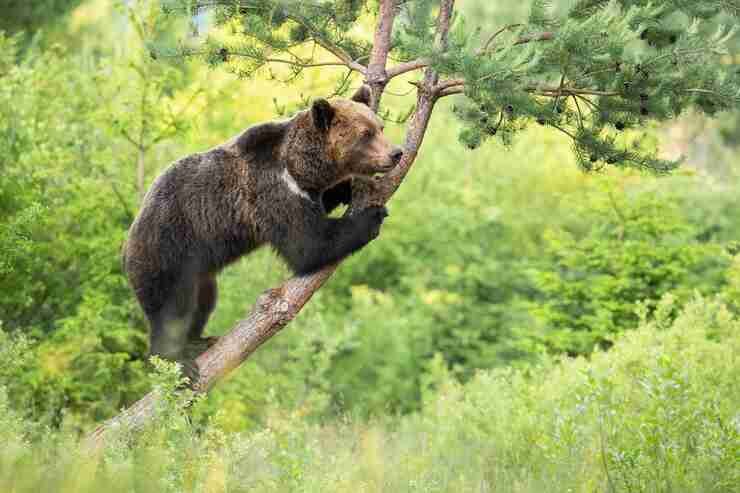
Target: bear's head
[[337, 139]]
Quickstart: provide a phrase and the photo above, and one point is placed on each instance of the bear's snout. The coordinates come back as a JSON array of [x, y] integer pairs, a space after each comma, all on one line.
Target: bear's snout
[[394, 157]]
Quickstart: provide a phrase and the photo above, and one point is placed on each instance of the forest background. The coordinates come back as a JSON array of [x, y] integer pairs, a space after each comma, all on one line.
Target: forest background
[[519, 325]]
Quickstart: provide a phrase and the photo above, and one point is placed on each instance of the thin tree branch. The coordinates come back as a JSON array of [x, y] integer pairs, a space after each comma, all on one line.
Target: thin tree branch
[[495, 35], [376, 76], [443, 30], [303, 65], [130, 216], [583, 98], [405, 67], [450, 91], [446, 84], [578, 107], [353, 66], [128, 137], [545, 36], [563, 130], [337, 51], [341, 54], [412, 65], [555, 91], [457, 86]]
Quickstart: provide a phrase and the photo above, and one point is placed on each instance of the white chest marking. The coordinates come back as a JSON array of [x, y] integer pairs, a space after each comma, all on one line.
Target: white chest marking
[[293, 186]]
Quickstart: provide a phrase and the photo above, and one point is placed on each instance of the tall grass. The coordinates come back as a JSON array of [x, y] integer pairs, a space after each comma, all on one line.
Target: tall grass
[[659, 412]]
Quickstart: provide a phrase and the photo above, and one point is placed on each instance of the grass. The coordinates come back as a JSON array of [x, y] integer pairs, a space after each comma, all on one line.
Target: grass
[[659, 412]]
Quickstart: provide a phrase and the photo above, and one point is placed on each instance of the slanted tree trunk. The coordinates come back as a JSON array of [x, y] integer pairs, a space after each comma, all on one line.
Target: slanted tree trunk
[[276, 307]]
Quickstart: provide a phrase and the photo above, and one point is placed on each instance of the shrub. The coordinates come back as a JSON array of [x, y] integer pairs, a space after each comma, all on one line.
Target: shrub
[[633, 245], [656, 413]]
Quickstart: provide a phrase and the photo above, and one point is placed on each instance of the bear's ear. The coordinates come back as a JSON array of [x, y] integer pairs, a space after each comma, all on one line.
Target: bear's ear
[[362, 95], [323, 114]]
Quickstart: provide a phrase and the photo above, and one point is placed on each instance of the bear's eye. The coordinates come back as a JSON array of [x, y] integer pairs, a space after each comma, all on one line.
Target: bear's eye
[[368, 134]]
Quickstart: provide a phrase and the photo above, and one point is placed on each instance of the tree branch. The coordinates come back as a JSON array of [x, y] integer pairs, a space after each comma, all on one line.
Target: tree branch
[[447, 84], [558, 91], [450, 91], [294, 63], [412, 65], [276, 307], [352, 65], [440, 39], [340, 53], [375, 75], [337, 51], [546, 36], [405, 67], [457, 86], [487, 44]]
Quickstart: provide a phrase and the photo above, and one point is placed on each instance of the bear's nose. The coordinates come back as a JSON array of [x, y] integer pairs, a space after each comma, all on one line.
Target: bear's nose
[[396, 155]]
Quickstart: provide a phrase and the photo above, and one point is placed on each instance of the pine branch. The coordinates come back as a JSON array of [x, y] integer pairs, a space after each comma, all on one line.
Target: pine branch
[[420, 63], [490, 40], [544, 36], [332, 48], [403, 68]]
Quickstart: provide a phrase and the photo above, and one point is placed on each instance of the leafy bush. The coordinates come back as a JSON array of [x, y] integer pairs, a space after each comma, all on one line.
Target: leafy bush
[[632, 247], [63, 225], [656, 413]]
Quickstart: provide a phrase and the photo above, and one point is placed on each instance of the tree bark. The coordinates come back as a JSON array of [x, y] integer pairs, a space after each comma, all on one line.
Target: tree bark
[[375, 76], [275, 308]]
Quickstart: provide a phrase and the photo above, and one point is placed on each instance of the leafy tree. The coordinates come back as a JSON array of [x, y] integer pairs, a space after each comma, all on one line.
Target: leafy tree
[[639, 248], [140, 104], [595, 71], [22, 15], [59, 273]]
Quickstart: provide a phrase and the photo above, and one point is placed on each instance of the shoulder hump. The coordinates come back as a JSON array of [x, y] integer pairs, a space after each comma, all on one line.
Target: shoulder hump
[[262, 137]]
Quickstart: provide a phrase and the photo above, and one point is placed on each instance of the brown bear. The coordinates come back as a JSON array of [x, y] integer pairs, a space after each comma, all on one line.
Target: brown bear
[[273, 184]]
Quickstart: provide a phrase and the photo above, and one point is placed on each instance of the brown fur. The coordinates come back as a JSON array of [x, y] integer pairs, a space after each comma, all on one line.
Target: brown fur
[[208, 209]]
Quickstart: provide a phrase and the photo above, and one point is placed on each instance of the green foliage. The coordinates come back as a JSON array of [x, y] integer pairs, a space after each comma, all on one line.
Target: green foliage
[[22, 15], [591, 70], [638, 249], [258, 32], [617, 67], [656, 413], [64, 220], [490, 260]]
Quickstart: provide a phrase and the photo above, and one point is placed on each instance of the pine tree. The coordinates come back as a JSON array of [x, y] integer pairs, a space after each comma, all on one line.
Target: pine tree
[[599, 69]]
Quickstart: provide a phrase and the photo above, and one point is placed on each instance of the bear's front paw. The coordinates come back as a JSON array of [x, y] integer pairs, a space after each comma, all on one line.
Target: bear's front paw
[[366, 192], [374, 217]]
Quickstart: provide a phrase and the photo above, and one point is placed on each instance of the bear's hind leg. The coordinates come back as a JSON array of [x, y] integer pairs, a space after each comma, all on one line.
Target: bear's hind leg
[[171, 325], [206, 302]]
